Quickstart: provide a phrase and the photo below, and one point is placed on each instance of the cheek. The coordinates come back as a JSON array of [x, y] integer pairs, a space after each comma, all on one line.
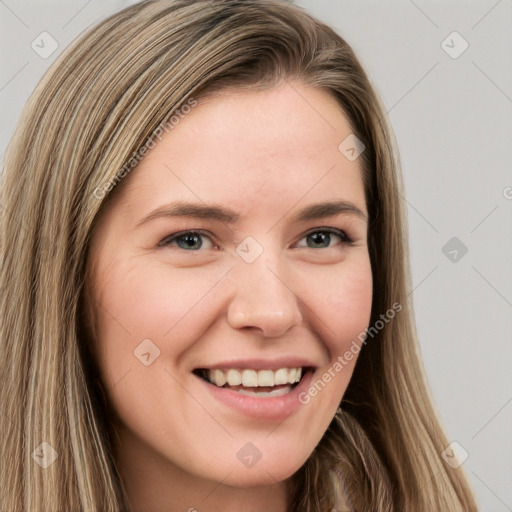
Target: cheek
[[340, 314], [343, 304], [147, 302]]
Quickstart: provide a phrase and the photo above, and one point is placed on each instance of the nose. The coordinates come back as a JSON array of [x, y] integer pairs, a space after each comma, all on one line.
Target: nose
[[263, 301]]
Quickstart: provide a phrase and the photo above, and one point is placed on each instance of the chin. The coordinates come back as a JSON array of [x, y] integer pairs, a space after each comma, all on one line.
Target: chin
[[265, 472], [263, 477]]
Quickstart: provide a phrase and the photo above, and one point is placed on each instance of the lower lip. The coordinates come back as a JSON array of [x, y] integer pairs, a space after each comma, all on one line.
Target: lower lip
[[275, 408]]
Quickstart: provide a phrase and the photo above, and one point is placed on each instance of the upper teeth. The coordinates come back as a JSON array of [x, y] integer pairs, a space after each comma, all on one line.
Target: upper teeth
[[254, 378]]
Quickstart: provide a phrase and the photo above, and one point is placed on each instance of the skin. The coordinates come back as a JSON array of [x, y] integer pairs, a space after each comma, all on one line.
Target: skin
[[266, 155]]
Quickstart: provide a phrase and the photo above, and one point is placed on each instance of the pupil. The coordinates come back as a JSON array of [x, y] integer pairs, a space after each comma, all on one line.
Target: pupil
[[190, 242], [319, 239]]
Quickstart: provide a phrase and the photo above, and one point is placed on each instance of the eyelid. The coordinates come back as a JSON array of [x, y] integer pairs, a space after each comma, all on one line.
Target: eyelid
[[173, 236], [345, 237]]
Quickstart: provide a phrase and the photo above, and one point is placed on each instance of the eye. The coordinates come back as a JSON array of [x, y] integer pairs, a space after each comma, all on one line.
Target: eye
[[324, 238], [189, 241]]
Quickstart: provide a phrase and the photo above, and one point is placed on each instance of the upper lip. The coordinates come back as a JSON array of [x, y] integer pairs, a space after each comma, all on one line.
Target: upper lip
[[260, 364]]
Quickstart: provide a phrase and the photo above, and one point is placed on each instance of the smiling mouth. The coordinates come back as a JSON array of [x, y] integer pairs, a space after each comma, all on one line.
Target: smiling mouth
[[260, 383]]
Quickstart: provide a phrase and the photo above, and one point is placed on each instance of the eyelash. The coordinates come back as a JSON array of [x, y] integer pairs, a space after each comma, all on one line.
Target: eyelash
[[345, 239]]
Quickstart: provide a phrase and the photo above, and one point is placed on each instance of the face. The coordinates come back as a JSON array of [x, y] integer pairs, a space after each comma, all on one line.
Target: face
[[228, 276]]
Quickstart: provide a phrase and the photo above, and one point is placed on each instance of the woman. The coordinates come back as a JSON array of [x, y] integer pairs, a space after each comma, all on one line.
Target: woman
[[205, 277]]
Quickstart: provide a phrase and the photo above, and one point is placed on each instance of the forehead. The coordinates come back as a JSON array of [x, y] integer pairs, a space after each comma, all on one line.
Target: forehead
[[237, 146]]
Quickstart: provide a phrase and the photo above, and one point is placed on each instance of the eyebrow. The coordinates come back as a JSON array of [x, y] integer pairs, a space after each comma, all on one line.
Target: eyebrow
[[222, 214], [198, 211], [329, 209]]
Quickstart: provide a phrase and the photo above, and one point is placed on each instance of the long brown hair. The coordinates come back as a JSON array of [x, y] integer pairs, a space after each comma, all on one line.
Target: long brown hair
[[95, 107]]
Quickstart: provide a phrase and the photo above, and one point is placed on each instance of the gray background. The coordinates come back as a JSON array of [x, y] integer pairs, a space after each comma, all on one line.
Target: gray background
[[452, 121]]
